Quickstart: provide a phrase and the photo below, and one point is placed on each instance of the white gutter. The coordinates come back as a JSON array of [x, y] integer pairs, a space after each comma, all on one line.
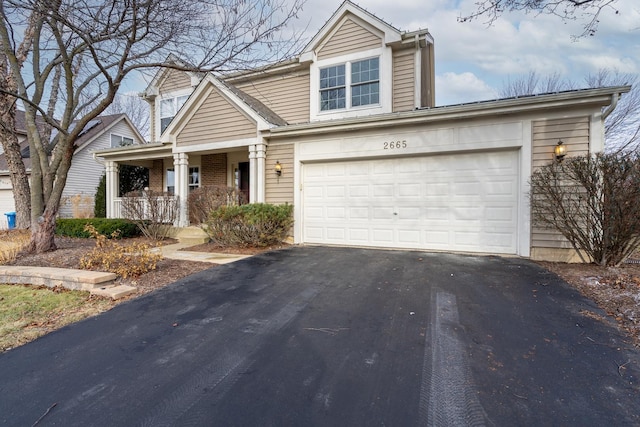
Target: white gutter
[[614, 103]]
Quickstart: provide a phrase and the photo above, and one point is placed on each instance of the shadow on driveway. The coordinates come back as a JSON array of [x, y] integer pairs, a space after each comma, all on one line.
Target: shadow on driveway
[[335, 337]]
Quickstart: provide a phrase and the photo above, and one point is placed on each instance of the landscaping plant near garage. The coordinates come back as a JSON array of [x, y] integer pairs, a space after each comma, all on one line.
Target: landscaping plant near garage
[[594, 202], [258, 224]]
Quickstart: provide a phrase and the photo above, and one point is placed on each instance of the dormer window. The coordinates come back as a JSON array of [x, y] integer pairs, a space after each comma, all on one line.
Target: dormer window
[[356, 81], [169, 107]]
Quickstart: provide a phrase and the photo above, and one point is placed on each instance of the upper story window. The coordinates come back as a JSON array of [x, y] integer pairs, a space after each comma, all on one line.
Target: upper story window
[[365, 82], [120, 141], [169, 107], [356, 81], [332, 88]]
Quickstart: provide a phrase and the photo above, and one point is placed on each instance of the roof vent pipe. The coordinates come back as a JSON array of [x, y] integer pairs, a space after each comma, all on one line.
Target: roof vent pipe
[[610, 108]]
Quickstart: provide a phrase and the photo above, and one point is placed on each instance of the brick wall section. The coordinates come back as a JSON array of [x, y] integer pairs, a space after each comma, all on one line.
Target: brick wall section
[[156, 174], [214, 169]]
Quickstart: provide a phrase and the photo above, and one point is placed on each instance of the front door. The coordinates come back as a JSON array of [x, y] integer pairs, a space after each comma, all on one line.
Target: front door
[[243, 179]]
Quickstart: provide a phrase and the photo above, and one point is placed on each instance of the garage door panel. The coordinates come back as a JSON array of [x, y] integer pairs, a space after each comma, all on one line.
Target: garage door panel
[[464, 202]]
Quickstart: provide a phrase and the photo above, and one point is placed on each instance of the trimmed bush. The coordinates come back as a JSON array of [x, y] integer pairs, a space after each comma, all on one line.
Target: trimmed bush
[[257, 224], [100, 200], [75, 227]]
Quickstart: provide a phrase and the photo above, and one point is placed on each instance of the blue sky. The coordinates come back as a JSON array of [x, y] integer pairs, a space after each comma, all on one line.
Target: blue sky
[[473, 61]]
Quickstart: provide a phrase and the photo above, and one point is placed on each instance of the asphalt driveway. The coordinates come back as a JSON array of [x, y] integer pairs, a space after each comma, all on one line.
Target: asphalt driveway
[[313, 336]]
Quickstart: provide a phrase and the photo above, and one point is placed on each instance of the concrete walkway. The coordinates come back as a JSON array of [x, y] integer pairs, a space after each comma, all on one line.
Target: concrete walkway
[[176, 251]]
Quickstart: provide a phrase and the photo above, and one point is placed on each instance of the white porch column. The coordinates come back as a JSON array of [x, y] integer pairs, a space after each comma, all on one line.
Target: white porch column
[[181, 167], [112, 184], [253, 170], [261, 154]]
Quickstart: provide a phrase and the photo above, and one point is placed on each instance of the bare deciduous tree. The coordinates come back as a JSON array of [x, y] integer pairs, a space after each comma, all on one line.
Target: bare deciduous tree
[[533, 83], [622, 126], [593, 201], [135, 108], [568, 10], [96, 44]]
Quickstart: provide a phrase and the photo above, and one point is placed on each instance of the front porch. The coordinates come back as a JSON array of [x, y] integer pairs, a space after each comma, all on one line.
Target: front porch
[[176, 175]]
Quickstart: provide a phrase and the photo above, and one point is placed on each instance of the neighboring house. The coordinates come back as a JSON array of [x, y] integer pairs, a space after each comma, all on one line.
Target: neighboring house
[[84, 175], [366, 157]]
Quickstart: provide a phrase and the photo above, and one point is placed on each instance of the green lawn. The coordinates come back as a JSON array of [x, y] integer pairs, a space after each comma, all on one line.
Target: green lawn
[[28, 312]]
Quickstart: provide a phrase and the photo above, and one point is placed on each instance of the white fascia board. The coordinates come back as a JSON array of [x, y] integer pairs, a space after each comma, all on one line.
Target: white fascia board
[[137, 151], [220, 145]]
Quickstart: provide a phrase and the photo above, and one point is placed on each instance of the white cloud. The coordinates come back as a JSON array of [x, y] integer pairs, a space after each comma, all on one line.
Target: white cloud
[[455, 88]]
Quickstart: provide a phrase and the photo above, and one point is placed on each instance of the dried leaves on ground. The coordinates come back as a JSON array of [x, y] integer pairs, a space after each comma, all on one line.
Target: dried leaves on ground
[[615, 289]]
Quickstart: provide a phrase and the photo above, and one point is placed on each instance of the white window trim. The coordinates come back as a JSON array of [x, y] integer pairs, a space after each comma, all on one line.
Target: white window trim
[[158, 103], [191, 186], [385, 79]]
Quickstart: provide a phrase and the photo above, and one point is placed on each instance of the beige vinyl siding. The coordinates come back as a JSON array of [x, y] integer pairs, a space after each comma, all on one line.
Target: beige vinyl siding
[[279, 190], [404, 80], [175, 80], [216, 120], [350, 37], [286, 95], [574, 132]]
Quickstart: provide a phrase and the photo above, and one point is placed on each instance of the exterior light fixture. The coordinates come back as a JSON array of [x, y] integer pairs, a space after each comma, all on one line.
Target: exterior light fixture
[[560, 150], [278, 168]]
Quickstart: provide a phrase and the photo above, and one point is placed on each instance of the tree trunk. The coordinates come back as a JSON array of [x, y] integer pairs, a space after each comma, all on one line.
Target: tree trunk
[[42, 234], [11, 147]]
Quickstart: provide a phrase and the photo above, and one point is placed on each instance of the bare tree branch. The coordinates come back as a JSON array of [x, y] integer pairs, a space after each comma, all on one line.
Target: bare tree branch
[[91, 46], [588, 11]]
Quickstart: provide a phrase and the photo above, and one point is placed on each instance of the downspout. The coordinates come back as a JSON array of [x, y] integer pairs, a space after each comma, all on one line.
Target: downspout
[[614, 103]]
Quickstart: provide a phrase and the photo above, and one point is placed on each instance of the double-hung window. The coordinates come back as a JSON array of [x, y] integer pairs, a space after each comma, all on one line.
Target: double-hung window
[[332, 88], [169, 107], [365, 82], [357, 82]]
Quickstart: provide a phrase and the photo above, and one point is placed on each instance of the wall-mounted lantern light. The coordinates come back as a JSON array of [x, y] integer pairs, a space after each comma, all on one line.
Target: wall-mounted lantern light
[[560, 150], [278, 168]]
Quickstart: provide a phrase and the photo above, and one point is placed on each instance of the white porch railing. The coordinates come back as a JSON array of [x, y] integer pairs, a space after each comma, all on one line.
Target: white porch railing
[[164, 204]]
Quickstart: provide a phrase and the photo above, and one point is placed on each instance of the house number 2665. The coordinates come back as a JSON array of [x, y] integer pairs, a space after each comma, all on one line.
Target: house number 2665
[[395, 145]]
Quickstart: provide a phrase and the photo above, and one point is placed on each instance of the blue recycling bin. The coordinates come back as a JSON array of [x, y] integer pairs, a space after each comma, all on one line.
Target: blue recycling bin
[[11, 219]]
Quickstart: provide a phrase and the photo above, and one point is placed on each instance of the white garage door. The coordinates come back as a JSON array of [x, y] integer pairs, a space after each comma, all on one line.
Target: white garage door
[[461, 202], [6, 205]]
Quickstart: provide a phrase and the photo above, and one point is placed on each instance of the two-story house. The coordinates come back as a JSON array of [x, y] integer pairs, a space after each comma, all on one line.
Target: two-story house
[[347, 132]]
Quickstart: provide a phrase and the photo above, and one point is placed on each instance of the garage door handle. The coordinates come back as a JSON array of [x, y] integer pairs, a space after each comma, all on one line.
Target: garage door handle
[[395, 213]]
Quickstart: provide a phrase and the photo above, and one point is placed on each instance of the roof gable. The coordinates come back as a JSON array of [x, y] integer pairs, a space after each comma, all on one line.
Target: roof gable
[[351, 11], [245, 104]]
